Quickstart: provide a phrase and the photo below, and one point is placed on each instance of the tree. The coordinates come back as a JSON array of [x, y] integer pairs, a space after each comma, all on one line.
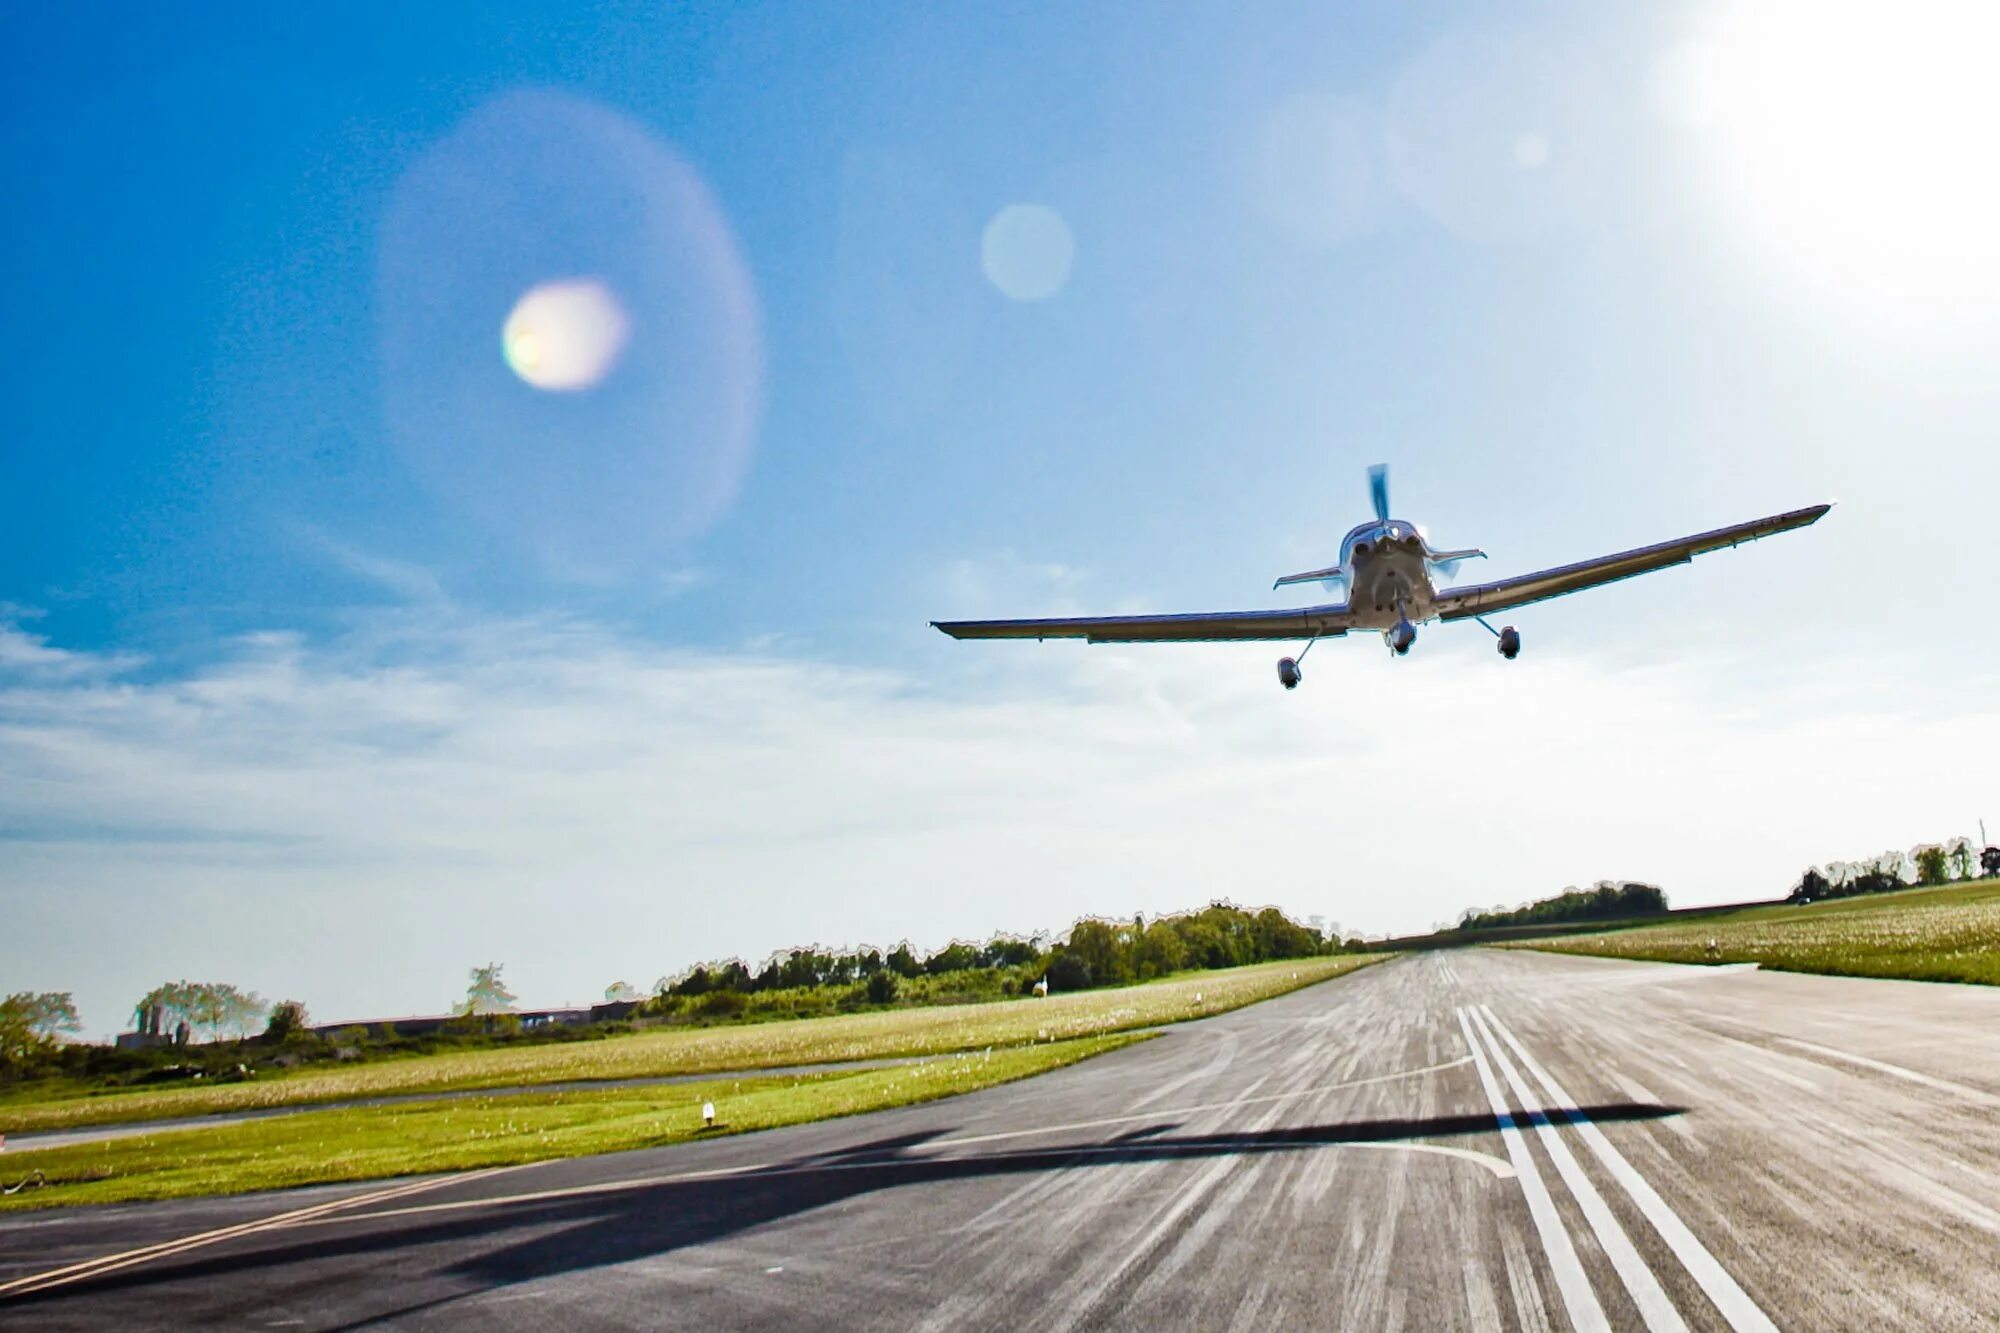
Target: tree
[[1158, 951], [954, 957], [1068, 972], [1931, 862], [882, 986], [32, 1024], [1961, 856], [621, 992], [213, 1005], [488, 994], [289, 1021], [1989, 862], [218, 1005], [902, 962], [1811, 888], [1096, 945]]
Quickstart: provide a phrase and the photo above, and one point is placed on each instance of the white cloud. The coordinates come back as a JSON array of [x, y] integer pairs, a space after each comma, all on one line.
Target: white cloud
[[356, 822]]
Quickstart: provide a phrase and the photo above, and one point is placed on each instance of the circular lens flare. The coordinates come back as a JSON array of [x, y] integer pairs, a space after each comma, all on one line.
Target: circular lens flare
[[1026, 251], [564, 336], [620, 296]]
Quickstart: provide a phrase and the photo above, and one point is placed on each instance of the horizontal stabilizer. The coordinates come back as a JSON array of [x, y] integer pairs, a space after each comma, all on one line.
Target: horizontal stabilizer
[[1312, 575]]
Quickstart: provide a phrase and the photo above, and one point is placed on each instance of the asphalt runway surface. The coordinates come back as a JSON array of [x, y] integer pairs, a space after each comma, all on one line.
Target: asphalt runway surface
[[1475, 1139]]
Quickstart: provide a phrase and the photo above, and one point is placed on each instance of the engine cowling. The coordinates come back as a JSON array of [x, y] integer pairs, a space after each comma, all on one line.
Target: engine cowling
[[1289, 673]]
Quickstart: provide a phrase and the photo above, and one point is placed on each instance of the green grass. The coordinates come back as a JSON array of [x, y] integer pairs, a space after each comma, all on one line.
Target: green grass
[[459, 1134], [1942, 934], [877, 1035]]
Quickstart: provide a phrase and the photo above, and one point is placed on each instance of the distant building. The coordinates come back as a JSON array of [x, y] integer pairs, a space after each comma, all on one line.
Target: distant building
[[423, 1025]]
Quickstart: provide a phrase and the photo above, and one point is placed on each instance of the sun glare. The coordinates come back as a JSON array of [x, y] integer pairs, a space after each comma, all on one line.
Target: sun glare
[[565, 335], [1859, 142]]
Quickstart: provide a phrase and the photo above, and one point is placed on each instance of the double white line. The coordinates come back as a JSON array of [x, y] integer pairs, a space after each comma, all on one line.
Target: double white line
[[1490, 1041]]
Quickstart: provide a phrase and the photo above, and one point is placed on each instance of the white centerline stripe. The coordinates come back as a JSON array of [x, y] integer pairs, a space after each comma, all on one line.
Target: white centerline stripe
[[1730, 1299], [1585, 1314], [1654, 1307]]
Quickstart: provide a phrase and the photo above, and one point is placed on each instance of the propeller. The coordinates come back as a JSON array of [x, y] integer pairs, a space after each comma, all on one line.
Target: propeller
[[1378, 490]]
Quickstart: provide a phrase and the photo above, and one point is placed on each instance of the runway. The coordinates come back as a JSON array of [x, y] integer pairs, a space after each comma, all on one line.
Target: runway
[[1474, 1139]]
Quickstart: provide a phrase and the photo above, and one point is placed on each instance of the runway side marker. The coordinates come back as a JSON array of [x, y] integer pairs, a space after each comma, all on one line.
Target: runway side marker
[[1735, 1305], [1585, 1314]]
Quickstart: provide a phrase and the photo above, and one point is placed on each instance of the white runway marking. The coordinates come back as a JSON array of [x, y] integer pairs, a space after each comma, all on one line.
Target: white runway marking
[[1978, 1095], [1585, 1314], [1654, 1307], [109, 1263], [1735, 1305]]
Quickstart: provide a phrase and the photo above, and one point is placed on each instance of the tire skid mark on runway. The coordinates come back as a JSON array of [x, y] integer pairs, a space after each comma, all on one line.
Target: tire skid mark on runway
[[1640, 1283], [1730, 1300], [1585, 1314], [1232, 1105], [110, 1263], [1521, 1284], [1146, 1251], [1225, 1053]]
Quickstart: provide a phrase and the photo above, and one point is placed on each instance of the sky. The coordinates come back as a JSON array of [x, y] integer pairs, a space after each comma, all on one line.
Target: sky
[[476, 480]]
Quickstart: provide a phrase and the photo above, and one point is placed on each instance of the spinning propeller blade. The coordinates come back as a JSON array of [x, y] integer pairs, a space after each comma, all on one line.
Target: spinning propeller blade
[[1378, 489]]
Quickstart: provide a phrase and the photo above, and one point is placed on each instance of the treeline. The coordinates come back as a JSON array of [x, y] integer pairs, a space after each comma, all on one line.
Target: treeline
[[1926, 864], [1605, 901], [799, 982], [35, 1030]]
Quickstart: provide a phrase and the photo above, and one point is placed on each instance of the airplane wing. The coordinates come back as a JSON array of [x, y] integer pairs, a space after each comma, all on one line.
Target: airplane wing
[[1307, 622], [1506, 594]]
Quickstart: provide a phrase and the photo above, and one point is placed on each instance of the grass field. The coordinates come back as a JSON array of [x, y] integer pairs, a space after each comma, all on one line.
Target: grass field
[[876, 1035], [368, 1143], [1943, 934]]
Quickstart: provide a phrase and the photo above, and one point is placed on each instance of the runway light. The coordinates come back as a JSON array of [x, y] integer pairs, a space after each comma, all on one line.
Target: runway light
[[708, 1115]]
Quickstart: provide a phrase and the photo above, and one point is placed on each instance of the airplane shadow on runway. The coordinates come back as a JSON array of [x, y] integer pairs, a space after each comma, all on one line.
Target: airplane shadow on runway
[[584, 1231]]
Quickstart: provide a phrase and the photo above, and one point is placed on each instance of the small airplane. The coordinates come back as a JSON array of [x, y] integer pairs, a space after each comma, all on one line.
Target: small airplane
[[1386, 568]]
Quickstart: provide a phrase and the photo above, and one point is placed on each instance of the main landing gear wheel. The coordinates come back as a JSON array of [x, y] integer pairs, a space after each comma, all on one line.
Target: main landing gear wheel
[[1289, 674], [1510, 643], [1400, 636]]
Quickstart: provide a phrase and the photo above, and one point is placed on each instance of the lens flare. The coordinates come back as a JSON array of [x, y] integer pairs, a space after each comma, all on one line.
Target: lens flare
[[621, 298], [1026, 251], [567, 335]]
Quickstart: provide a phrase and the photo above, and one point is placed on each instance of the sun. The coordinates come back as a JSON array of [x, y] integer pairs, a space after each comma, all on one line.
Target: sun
[[1858, 141]]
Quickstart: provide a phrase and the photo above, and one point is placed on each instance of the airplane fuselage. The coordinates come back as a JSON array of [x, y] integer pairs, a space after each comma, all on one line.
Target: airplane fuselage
[[1388, 575]]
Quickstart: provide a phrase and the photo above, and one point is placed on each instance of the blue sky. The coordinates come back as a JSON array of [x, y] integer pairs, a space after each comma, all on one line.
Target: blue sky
[[324, 629]]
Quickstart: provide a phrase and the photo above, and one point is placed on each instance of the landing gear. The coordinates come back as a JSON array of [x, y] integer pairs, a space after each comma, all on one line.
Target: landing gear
[[1400, 636], [1289, 674], [1510, 643]]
